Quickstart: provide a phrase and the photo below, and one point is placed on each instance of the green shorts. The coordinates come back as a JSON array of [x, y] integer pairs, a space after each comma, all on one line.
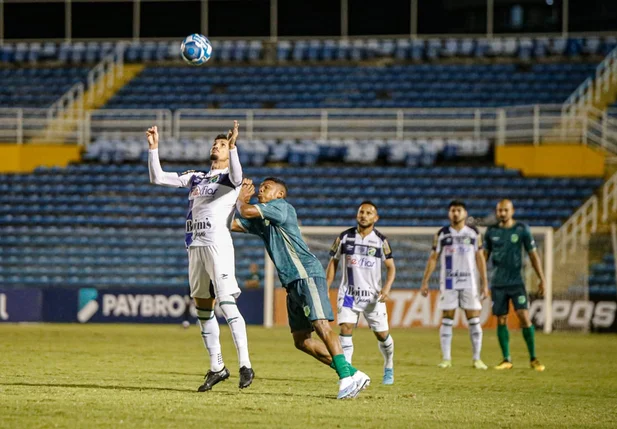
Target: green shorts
[[502, 295], [307, 301]]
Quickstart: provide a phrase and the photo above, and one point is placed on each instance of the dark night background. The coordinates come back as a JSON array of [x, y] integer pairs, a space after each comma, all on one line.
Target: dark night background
[[230, 18]]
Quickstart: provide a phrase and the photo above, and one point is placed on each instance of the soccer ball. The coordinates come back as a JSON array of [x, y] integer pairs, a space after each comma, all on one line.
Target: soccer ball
[[196, 49]]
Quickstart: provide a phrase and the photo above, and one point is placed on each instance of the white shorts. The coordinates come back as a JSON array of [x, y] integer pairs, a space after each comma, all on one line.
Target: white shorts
[[467, 299], [375, 314], [212, 271]]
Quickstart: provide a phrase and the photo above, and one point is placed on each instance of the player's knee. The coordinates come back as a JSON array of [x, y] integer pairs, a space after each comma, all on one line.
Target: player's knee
[[346, 329], [382, 336], [472, 314], [502, 320], [229, 308], [322, 328], [523, 317], [204, 302], [301, 341], [204, 313], [448, 314]]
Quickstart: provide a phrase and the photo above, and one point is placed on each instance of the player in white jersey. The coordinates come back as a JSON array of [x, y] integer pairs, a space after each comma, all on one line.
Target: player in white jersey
[[459, 248], [362, 250], [212, 200]]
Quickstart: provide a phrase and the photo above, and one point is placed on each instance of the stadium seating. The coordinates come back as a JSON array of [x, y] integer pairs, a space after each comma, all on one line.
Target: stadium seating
[[37, 87], [400, 85], [523, 48], [105, 225], [602, 276], [411, 152]]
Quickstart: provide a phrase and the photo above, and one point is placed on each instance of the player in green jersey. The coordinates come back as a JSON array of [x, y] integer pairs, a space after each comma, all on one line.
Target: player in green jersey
[[275, 221], [505, 243]]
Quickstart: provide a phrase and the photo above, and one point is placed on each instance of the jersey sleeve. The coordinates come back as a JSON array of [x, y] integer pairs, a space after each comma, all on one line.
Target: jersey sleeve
[[386, 251], [275, 211], [250, 226], [235, 168], [479, 242], [437, 243], [335, 250], [160, 177], [528, 241]]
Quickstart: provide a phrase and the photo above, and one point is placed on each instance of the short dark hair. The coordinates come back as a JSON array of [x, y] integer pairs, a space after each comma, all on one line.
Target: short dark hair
[[457, 203], [370, 203], [221, 137], [277, 181]]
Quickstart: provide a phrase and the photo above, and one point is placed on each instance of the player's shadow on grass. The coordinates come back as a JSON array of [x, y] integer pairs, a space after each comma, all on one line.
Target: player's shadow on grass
[[97, 386], [291, 380], [164, 389]]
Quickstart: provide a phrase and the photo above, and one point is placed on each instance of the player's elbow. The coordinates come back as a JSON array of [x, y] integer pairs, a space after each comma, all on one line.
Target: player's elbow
[[155, 180]]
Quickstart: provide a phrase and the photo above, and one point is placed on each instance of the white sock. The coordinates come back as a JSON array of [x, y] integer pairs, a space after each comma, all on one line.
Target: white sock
[[475, 333], [347, 346], [238, 329], [387, 351], [210, 335], [445, 336]]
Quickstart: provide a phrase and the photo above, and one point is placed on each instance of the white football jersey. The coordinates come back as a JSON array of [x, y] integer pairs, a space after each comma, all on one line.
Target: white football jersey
[[457, 250], [361, 266], [212, 199]]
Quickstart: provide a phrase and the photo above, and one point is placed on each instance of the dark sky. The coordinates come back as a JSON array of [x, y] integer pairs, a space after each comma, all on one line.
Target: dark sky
[[300, 17]]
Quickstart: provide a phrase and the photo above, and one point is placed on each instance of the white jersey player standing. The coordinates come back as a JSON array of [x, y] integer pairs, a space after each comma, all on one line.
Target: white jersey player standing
[[212, 200], [459, 248], [362, 250]]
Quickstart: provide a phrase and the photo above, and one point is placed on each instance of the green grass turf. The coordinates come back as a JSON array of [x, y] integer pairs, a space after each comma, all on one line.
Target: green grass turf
[[147, 376]]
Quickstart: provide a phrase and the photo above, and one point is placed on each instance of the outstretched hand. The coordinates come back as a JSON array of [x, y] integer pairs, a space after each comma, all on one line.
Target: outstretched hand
[[152, 134], [246, 191], [232, 135]]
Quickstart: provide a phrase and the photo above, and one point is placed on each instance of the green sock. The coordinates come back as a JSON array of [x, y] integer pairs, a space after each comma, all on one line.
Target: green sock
[[352, 370], [530, 338], [341, 366], [504, 340]]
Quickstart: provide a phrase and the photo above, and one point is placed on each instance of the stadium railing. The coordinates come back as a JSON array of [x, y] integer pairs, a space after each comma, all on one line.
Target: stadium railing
[[576, 230], [102, 76], [539, 124], [592, 89], [609, 197]]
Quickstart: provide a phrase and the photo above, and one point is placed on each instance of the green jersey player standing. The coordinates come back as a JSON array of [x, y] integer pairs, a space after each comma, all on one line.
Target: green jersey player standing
[[274, 220], [505, 242]]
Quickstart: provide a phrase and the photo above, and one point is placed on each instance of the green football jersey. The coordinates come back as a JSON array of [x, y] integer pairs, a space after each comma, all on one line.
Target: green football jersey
[[279, 230], [506, 248]]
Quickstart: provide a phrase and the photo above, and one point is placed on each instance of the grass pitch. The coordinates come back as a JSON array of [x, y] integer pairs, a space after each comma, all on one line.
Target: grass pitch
[[146, 376]]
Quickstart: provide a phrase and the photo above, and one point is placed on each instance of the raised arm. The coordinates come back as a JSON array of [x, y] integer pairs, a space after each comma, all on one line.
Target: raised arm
[[157, 175], [235, 168], [246, 210]]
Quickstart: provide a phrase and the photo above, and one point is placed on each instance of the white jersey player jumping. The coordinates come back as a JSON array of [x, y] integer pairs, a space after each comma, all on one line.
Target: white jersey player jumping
[[459, 248], [212, 201], [362, 250]]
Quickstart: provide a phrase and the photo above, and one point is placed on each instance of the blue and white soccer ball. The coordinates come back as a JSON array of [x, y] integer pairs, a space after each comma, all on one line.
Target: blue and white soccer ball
[[196, 49]]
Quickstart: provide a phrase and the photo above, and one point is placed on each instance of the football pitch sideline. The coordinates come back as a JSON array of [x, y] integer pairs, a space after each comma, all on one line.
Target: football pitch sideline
[[136, 376]]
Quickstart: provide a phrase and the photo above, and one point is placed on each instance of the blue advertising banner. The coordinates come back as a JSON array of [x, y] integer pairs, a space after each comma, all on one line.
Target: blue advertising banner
[[21, 305], [153, 305]]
